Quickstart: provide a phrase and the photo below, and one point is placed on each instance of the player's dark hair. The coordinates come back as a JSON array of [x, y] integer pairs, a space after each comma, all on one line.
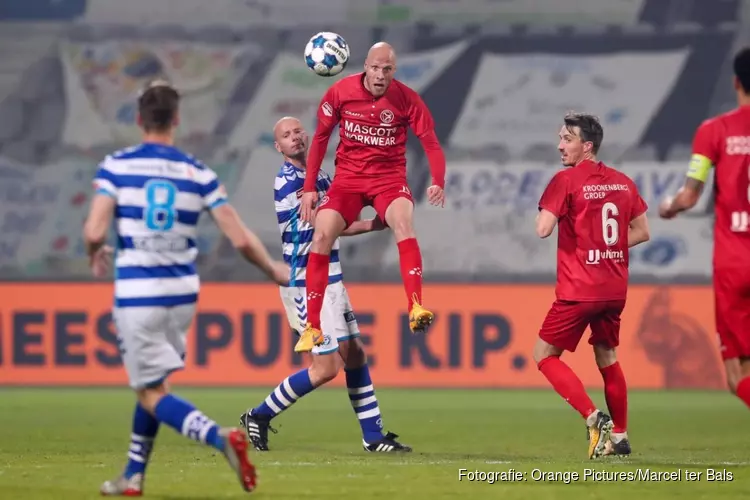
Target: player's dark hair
[[742, 68], [590, 128], [158, 105]]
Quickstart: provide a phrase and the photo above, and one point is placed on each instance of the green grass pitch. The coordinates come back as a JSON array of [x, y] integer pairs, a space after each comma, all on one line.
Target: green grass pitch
[[62, 443]]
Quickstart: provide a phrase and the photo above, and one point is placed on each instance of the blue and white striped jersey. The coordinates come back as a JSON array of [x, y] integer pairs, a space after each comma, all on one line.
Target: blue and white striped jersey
[[296, 235], [160, 193]]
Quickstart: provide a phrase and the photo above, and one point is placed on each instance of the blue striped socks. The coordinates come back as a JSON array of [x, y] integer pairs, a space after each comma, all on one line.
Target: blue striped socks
[[189, 421], [285, 395], [364, 402], [142, 437]]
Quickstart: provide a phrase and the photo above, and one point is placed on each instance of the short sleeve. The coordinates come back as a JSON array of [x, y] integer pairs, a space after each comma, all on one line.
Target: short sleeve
[[420, 117], [211, 190], [705, 152], [555, 196], [105, 180]]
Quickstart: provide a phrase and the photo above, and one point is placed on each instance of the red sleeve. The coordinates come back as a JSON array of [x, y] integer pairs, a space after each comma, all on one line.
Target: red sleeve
[[423, 126], [328, 117], [555, 196], [705, 141]]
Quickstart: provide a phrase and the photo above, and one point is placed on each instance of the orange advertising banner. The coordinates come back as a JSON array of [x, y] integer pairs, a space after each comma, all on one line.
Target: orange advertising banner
[[483, 335]]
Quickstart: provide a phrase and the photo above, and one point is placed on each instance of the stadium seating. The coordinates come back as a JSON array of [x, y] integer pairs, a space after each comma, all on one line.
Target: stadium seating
[[35, 90]]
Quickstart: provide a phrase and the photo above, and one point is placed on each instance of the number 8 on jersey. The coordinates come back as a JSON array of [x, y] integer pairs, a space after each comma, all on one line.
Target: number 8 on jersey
[[161, 196]]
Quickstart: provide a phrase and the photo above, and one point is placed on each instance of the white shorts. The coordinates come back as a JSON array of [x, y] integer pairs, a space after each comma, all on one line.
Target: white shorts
[[152, 341], [337, 319]]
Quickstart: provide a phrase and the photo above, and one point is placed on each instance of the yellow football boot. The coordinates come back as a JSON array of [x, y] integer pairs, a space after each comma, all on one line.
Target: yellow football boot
[[598, 434], [419, 317], [309, 338]]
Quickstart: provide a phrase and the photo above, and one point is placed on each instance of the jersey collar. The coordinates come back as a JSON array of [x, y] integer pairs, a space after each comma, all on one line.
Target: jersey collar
[[293, 166]]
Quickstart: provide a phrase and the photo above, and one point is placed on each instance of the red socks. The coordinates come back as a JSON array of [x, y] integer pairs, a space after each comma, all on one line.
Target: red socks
[[570, 387], [616, 395], [316, 281], [567, 385], [410, 259], [743, 390]]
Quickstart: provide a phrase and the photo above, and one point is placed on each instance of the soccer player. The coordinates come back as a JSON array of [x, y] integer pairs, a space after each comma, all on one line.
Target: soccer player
[[599, 215], [723, 142], [156, 194], [374, 111], [339, 326]]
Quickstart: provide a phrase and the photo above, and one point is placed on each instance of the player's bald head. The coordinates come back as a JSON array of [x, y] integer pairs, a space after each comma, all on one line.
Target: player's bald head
[[381, 51], [380, 67], [285, 124], [290, 138]]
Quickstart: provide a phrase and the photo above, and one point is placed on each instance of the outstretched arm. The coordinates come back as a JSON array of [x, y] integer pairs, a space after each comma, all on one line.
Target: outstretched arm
[[247, 243]]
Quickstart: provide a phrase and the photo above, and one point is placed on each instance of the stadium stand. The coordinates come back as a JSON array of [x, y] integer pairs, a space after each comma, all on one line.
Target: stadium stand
[[38, 95]]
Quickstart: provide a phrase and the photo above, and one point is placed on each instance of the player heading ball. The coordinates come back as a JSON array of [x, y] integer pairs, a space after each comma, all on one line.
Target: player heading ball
[[374, 111]]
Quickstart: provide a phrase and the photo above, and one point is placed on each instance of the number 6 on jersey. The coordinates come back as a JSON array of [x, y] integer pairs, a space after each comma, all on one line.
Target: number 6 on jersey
[[610, 227]]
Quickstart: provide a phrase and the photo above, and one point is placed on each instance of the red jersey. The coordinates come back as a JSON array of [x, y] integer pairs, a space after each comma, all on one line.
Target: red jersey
[[724, 142], [594, 205], [373, 131]]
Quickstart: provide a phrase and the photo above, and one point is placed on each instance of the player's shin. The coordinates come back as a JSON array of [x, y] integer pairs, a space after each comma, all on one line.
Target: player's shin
[[410, 260], [145, 428], [363, 401], [317, 281], [616, 395], [567, 384], [183, 417], [285, 395]]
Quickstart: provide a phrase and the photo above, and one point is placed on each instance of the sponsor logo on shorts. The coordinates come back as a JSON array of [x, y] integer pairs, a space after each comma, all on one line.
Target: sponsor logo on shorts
[[325, 200], [405, 190], [386, 116], [326, 340], [349, 317], [596, 256], [327, 109]]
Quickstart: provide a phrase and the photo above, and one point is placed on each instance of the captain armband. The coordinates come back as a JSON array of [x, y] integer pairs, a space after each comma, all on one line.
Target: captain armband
[[700, 167]]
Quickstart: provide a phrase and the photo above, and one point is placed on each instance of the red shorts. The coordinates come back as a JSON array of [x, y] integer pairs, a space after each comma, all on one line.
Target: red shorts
[[732, 309], [566, 322], [349, 195]]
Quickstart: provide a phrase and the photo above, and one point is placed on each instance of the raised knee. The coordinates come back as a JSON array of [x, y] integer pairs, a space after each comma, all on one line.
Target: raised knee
[[323, 239], [328, 375], [403, 229], [323, 371]]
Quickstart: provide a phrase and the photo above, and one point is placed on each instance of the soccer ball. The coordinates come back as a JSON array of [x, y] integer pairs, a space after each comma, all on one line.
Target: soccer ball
[[327, 54]]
